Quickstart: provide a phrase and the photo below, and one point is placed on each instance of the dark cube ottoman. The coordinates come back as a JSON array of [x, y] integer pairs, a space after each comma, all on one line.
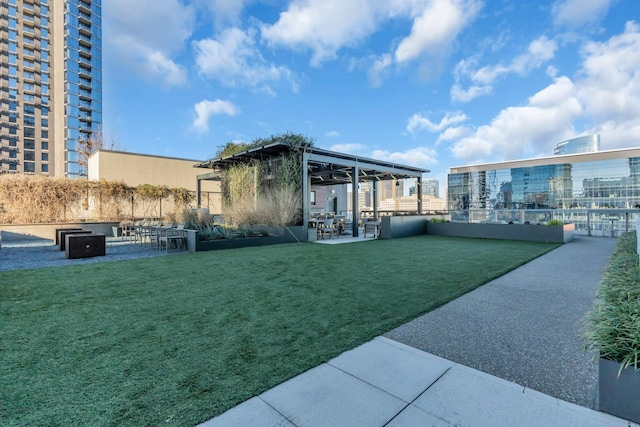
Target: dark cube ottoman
[[85, 245], [65, 233], [58, 230]]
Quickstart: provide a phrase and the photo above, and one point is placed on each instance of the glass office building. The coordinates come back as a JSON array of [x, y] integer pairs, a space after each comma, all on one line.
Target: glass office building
[[582, 144], [50, 83], [599, 180]]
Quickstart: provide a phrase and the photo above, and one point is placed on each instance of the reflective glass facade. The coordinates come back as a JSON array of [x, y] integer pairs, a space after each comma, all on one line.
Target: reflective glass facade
[[50, 83], [584, 181], [82, 78]]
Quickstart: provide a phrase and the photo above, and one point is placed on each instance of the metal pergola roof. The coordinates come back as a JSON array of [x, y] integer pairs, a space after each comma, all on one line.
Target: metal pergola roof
[[324, 167]]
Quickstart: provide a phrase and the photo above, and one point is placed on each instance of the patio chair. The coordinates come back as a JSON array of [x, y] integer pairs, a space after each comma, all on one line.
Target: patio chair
[[176, 236], [328, 228], [160, 231]]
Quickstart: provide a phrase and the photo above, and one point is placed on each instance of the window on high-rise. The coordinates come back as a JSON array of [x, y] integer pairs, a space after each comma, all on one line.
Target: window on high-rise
[[45, 145], [29, 167], [29, 144], [29, 132], [45, 157], [30, 155], [45, 168]]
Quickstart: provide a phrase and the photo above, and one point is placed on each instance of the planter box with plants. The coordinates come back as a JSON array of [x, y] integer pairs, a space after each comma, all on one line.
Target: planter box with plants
[[612, 329], [555, 232]]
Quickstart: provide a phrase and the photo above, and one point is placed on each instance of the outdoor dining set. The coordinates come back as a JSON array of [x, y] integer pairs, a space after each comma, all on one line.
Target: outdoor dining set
[[156, 235], [328, 226]]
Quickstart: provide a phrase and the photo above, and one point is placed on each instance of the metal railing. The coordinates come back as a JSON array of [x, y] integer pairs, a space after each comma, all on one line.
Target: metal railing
[[591, 222]]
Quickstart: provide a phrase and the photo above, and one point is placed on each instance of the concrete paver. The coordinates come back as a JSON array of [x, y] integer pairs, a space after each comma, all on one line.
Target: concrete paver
[[325, 394], [404, 372], [360, 393]]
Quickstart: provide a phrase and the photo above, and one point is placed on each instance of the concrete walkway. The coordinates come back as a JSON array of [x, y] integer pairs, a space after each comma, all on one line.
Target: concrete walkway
[[520, 326]]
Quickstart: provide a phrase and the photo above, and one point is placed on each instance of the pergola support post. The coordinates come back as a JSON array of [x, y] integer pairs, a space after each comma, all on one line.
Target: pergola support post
[[306, 190], [354, 196]]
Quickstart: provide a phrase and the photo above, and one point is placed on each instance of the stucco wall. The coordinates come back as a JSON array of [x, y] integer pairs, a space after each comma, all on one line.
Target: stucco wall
[[135, 169]]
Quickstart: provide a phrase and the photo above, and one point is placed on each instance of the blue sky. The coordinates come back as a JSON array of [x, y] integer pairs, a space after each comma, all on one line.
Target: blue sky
[[430, 83]]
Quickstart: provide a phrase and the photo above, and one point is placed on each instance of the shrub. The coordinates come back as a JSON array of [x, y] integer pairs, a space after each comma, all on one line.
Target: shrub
[[437, 220], [555, 222], [612, 327]]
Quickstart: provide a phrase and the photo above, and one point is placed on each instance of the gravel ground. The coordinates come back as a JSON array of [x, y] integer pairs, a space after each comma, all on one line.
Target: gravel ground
[[524, 326], [38, 253]]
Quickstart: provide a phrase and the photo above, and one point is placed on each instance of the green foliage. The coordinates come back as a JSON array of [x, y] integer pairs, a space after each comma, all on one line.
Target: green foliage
[[245, 185], [178, 340], [231, 148], [437, 220], [612, 327], [555, 223]]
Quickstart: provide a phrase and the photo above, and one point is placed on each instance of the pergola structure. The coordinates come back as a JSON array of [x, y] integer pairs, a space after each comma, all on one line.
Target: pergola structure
[[326, 168]]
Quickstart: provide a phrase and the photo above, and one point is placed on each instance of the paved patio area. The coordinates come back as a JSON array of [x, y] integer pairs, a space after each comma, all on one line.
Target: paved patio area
[[37, 253]]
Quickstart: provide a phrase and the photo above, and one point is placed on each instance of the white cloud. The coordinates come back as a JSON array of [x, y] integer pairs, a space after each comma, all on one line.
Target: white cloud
[[576, 13], [520, 131], [378, 69], [604, 97], [141, 45], [205, 109], [453, 133], [419, 156], [458, 94], [332, 134], [438, 24], [349, 148], [610, 87], [323, 26], [233, 59], [419, 122], [538, 52], [223, 10]]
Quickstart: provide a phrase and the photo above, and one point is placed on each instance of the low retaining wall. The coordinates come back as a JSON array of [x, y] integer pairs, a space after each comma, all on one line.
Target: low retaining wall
[[402, 226], [48, 231], [533, 233], [277, 235]]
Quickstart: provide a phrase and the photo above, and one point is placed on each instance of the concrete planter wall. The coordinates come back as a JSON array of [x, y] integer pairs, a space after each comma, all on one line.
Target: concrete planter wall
[[48, 231], [277, 235], [619, 396], [402, 226], [534, 233]]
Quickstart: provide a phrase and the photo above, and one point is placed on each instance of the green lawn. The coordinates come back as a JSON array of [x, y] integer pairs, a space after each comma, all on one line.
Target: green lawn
[[179, 339]]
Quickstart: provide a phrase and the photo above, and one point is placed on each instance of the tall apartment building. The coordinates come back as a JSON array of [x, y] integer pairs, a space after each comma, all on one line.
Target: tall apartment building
[[50, 83]]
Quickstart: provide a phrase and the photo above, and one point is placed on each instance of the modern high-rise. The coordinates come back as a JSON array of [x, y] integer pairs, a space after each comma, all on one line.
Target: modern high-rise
[[581, 144], [50, 83]]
